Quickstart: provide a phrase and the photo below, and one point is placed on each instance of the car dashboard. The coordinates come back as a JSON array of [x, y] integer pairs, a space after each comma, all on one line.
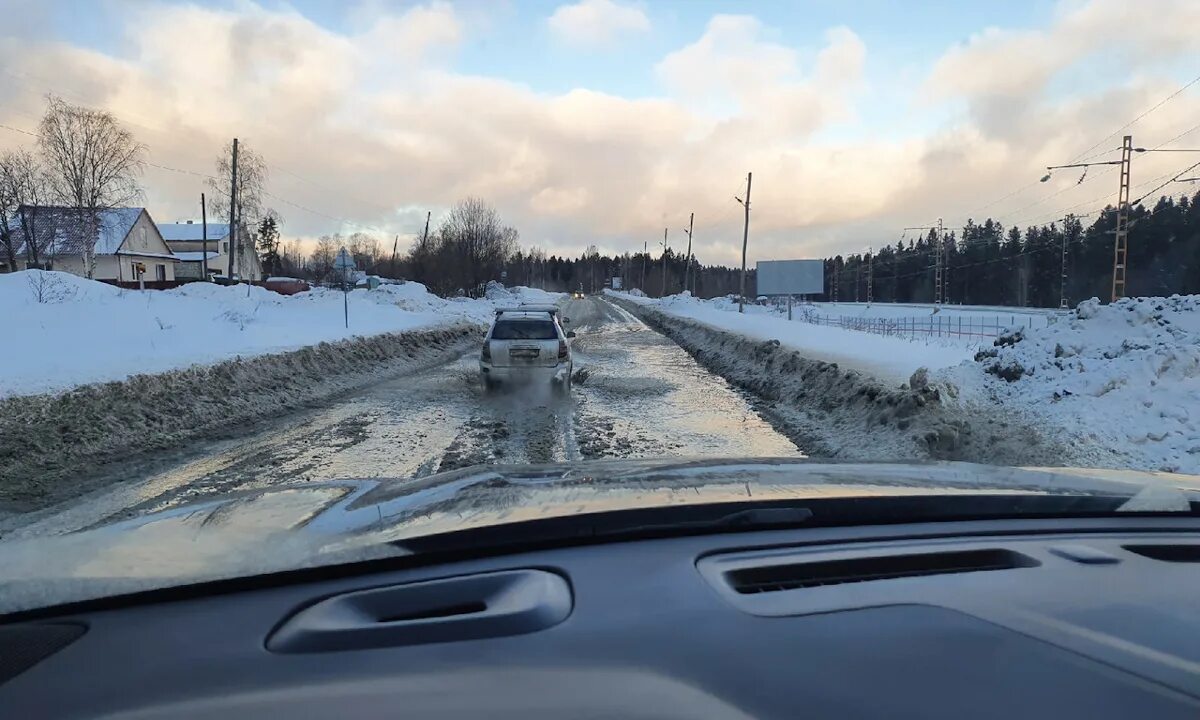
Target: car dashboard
[[1084, 617]]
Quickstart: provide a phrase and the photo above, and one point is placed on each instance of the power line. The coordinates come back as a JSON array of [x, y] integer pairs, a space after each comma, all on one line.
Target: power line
[[18, 130], [1167, 182], [1080, 157], [1134, 121]]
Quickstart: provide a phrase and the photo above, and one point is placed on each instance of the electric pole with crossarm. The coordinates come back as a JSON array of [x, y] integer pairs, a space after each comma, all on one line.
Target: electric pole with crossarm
[[1121, 233], [745, 237]]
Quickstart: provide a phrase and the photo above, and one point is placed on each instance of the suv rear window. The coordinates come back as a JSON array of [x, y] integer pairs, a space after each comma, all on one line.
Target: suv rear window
[[524, 330]]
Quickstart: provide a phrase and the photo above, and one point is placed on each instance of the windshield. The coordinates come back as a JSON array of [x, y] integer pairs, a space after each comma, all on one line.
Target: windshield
[[300, 280], [524, 330]]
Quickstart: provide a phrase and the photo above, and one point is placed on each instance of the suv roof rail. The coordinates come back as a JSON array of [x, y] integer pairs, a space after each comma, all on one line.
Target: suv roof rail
[[552, 309]]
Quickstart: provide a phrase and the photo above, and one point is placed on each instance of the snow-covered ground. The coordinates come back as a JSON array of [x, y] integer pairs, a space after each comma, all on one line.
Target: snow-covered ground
[[1117, 385], [63, 330], [889, 358]]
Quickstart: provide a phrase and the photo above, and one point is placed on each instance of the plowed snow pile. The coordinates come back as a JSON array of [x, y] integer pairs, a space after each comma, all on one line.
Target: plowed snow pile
[[1119, 383], [66, 330]]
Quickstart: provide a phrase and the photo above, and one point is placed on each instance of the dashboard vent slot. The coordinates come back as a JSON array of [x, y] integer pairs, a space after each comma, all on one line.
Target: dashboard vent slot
[[1167, 553], [771, 578]]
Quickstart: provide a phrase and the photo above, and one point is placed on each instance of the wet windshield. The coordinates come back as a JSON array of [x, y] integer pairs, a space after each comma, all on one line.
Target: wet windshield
[[524, 330], [251, 257]]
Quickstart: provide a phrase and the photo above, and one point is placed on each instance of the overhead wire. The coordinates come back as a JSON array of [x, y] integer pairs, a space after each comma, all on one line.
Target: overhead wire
[[1084, 155]]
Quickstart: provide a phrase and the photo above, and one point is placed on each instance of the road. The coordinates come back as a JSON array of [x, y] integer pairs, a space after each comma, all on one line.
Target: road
[[637, 394]]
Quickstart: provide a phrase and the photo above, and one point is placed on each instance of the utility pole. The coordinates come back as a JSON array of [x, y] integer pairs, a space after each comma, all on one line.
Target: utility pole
[[395, 246], [664, 264], [232, 214], [745, 239], [837, 274], [939, 250], [857, 278], [937, 244], [1121, 236], [870, 277], [687, 270], [645, 256], [946, 247], [1062, 288], [203, 238]]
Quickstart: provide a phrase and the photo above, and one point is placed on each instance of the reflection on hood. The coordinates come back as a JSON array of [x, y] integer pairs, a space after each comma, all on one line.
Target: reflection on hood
[[311, 524]]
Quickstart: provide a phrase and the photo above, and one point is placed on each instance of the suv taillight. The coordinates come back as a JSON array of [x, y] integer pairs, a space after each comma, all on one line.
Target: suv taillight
[[487, 351], [562, 349]]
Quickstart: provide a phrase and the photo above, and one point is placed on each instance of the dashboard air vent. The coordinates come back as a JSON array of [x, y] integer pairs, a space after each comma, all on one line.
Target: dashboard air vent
[[770, 578]]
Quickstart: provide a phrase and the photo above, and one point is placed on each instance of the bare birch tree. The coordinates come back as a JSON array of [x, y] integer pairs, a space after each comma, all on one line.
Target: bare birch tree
[[321, 260], [93, 164], [24, 187], [252, 174], [251, 181], [471, 247]]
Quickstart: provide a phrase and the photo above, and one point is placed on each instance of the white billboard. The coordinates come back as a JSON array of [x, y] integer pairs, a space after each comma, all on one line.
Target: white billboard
[[791, 277], [616, 283]]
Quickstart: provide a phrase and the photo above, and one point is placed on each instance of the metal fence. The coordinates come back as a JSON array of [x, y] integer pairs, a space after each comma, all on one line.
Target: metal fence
[[930, 326]]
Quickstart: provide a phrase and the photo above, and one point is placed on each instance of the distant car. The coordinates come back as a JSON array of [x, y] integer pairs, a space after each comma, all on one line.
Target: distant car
[[577, 295], [527, 344]]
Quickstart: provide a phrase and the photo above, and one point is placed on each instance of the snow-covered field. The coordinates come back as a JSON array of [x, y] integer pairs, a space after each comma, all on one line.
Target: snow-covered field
[[63, 330], [1115, 385], [886, 357], [971, 326]]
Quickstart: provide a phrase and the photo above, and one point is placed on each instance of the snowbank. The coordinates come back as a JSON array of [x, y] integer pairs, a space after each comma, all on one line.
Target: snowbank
[[836, 411], [1121, 382], [72, 331], [53, 446], [1112, 386], [891, 359]]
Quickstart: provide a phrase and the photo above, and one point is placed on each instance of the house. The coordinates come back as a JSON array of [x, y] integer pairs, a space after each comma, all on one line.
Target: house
[[186, 240], [125, 240]]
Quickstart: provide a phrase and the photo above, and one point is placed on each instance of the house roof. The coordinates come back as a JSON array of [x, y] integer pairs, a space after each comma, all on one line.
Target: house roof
[[140, 254], [186, 232], [195, 256], [62, 230]]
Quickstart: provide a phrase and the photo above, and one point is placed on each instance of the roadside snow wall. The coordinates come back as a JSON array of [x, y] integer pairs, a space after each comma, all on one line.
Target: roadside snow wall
[[47, 440], [1119, 382], [838, 413]]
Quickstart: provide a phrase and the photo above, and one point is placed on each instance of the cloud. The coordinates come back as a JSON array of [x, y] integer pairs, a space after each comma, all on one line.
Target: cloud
[[596, 23], [359, 128], [735, 71]]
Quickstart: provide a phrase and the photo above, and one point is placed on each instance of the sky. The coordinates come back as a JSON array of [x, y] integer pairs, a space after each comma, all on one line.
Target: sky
[[602, 122]]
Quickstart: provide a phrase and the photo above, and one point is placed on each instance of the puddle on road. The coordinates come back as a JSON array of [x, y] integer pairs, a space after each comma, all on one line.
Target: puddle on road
[[645, 396]]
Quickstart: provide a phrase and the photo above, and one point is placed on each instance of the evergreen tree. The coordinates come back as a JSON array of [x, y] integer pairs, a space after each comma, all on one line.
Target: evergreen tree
[[268, 244]]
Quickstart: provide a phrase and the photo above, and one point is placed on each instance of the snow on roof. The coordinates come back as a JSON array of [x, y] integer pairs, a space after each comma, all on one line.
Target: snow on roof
[[196, 256], [63, 230], [186, 232]]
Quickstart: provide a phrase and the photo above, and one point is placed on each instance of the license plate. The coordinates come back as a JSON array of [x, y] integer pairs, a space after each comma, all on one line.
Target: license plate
[[523, 353]]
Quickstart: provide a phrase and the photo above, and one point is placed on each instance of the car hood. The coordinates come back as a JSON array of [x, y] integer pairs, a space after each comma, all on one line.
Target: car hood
[[310, 524]]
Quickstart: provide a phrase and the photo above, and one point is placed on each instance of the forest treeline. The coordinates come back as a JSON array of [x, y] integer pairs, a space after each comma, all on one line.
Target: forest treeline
[[986, 263]]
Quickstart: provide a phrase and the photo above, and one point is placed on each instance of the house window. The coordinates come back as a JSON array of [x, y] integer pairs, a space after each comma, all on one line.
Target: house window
[[160, 273], [225, 247]]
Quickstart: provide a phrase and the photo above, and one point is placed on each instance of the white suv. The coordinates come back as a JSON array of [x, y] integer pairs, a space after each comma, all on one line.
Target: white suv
[[526, 343]]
